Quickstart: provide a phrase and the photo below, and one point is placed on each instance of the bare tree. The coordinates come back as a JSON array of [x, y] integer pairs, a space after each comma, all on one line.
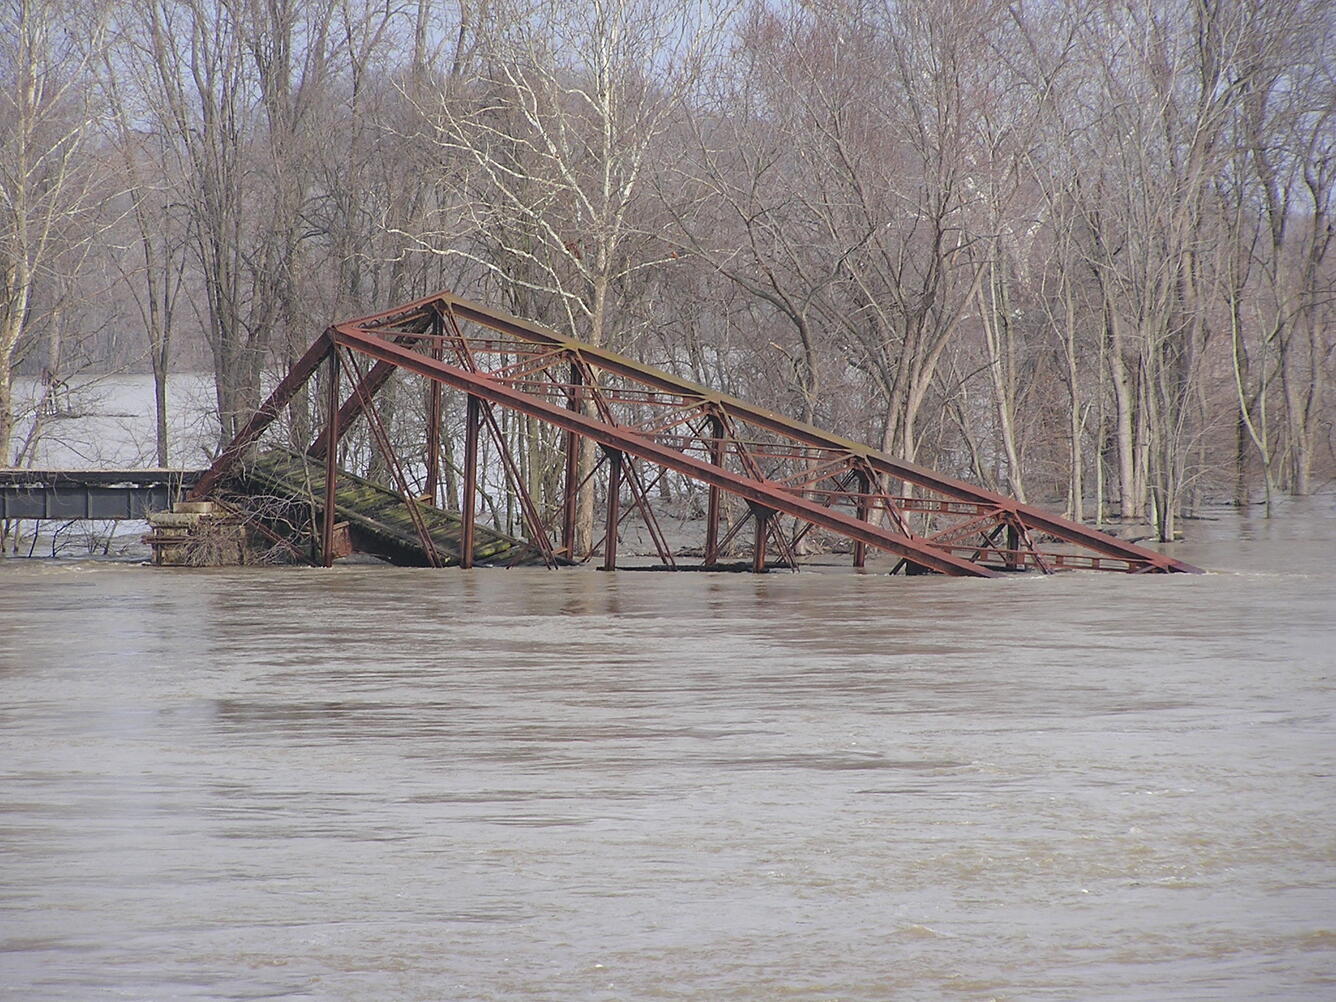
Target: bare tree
[[155, 276], [1281, 214], [1165, 95], [548, 141], [851, 219], [48, 181], [239, 89]]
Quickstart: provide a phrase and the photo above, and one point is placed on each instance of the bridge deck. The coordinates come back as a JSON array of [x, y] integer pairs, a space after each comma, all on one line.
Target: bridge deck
[[379, 518], [90, 494]]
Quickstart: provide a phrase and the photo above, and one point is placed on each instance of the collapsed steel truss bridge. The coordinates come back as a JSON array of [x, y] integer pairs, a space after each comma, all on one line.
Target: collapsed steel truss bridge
[[794, 478]]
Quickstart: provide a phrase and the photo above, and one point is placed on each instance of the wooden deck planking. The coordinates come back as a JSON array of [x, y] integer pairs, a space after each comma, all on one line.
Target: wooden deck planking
[[379, 514]]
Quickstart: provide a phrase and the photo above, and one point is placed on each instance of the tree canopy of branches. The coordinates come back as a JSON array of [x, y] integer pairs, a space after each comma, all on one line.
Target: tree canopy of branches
[[1080, 252]]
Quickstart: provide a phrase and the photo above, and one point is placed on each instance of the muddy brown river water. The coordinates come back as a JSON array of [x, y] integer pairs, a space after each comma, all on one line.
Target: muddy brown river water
[[372, 783]]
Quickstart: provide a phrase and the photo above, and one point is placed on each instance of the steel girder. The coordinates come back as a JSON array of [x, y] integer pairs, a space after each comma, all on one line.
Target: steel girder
[[778, 466]]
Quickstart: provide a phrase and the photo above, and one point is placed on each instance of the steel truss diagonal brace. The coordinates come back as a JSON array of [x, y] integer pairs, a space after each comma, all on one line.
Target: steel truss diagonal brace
[[795, 431], [775, 464], [282, 395], [628, 441]]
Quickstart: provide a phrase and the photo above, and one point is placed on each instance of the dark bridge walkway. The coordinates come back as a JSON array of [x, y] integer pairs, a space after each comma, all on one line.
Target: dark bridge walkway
[[90, 494]]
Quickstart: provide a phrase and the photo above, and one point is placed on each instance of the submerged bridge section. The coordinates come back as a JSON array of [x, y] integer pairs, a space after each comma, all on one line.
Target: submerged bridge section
[[624, 423], [377, 519]]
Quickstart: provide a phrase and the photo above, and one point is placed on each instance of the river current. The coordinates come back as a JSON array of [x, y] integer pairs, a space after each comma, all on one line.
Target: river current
[[379, 783]]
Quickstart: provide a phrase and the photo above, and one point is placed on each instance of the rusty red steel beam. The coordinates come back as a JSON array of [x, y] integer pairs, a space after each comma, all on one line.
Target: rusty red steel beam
[[880, 462], [396, 469], [282, 395], [358, 398], [353, 407], [331, 464], [538, 534], [417, 317], [627, 440]]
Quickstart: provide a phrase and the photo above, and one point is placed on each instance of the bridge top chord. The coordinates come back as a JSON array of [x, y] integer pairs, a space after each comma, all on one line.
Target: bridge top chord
[[787, 479]]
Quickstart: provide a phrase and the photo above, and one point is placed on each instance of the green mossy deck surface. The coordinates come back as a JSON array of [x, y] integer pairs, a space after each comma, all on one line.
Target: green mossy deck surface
[[379, 516]]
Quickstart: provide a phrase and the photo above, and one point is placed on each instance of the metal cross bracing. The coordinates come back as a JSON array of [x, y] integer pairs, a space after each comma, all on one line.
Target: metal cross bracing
[[794, 478]]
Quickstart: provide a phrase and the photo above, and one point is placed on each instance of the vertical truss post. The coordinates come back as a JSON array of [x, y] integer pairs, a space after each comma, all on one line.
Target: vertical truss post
[[408, 491], [762, 516], [435, 390], [712, 506], [614, 501], [532, 520], [864, 485], [331, 460], [471, 424], [1013, 544], [521, 367], [570, 500]]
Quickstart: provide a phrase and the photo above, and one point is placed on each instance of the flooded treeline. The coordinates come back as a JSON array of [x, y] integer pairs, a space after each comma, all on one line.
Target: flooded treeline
[[1079, 252]]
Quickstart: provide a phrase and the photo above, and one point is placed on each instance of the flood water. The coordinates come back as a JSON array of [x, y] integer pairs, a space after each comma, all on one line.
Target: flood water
[[378, 783]]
